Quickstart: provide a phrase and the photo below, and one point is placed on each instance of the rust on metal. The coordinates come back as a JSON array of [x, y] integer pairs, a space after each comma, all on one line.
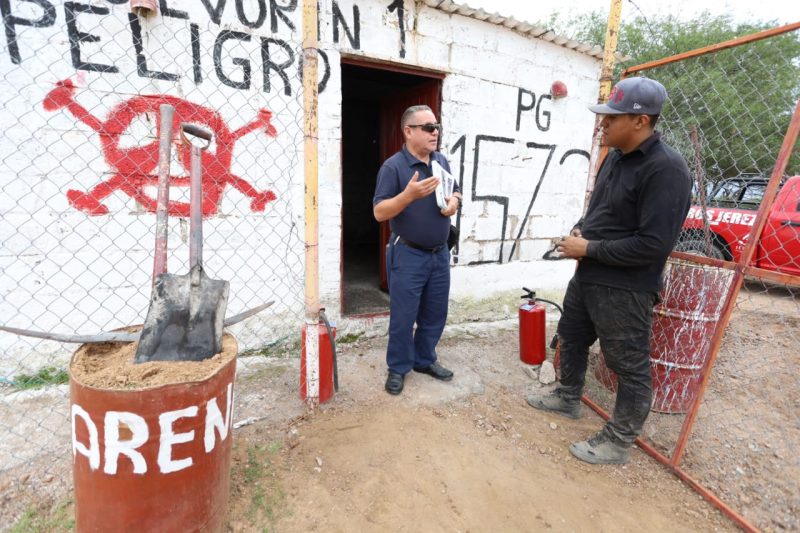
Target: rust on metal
[[682, 475], [774, 277], [598, 153], [166, 112], [709, 261], [694, 135], [769, 196], [144, 7], [153, 459], [713, 48], [118, 336], [106, 336], [311, 180], [771, 192], [716, 342], [402, 68]]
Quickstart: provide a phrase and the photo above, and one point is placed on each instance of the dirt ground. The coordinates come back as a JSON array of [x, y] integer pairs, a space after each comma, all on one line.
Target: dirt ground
[[745, 441], [468, 455]]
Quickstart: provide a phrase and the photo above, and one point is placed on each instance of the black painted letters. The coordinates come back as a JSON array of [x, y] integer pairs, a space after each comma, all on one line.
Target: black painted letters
[[76, 37], [524, 107], [215, 13], [141, 61], [268, 64], [262, 13], [397, 5], [276, 11], [539, 113], [227, 35], [194, 30], [353, 37], [526, 101], [174, 13], [11, 22]]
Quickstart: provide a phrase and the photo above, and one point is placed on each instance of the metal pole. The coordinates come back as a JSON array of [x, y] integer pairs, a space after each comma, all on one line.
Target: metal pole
[[753, 37], [196, 208], [685, 477], [772, 187], [166, 114], [769, 196], [606, 77], [311, 214]]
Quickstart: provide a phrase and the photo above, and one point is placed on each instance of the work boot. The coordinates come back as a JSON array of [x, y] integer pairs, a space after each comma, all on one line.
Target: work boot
[[601, 450], [553, 402]]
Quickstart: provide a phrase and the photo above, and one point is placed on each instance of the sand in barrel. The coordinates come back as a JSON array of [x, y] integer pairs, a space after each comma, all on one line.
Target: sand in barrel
[[110, 365]]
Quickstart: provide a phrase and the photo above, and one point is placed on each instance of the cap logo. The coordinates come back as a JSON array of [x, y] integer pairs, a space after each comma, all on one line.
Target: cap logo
[[636, 105], [617, 94]]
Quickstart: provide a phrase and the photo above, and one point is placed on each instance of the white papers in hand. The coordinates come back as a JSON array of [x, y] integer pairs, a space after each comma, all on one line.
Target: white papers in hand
[[446, 183]]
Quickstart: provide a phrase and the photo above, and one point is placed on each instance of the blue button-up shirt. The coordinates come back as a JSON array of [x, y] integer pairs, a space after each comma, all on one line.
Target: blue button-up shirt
[[421, 222]]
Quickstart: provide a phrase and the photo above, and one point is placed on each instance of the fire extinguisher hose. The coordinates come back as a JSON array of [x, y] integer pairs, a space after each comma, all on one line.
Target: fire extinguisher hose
[[531, 295], [333, 349], [560, 310], [554, 341]]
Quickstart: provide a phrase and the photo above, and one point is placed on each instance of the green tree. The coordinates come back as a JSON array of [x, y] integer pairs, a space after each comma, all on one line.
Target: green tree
[[738, 101]]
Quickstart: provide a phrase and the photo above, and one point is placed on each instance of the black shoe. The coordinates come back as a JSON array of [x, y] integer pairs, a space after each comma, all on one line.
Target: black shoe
[[394, 383], [436, 371]]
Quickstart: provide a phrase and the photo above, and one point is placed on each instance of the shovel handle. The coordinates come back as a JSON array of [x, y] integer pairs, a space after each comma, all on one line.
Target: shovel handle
[[196, 208], [166, 113], [195, 191], [191, 129]]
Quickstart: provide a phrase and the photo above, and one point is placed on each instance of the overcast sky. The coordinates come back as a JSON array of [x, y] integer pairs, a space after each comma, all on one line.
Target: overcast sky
[[784, 11]]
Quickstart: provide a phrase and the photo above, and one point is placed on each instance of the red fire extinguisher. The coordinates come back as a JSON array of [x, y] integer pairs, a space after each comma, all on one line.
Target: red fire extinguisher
[[532, 332], [328, 367]]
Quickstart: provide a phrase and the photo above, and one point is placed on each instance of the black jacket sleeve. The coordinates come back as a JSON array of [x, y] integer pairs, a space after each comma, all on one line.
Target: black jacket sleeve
[[663, 203]]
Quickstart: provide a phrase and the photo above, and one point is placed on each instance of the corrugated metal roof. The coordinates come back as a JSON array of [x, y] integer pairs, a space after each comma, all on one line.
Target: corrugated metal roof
[[539, 32]]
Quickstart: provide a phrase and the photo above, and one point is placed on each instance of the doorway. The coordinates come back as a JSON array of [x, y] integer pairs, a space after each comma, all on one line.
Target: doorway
[[374, 97]]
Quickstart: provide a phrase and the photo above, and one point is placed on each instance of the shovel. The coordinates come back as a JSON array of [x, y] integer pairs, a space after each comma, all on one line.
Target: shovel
[[185, 319], [166, 112]]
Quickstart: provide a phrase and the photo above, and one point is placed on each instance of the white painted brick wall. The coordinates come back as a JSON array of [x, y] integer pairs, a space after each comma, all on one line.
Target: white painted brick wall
[[64, 270]]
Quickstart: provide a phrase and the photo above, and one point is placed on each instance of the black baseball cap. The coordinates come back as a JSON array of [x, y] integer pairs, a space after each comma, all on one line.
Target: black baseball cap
[[633, 96]]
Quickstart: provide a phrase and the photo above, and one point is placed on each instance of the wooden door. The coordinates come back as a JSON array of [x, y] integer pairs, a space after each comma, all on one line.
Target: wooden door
[[391, 139]]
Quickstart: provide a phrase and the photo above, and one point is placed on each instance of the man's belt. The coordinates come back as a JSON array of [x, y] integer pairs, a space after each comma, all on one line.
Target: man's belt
[[433, 250]]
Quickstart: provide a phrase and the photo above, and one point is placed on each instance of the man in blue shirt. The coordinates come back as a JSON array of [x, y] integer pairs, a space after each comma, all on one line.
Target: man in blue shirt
[[638, 206], [417, 258]]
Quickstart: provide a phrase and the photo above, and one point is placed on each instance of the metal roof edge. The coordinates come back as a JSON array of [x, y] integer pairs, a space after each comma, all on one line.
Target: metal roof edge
[[519, 26]]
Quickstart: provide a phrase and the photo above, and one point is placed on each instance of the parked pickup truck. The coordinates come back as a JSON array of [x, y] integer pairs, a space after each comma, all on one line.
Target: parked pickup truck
[[731, 211]]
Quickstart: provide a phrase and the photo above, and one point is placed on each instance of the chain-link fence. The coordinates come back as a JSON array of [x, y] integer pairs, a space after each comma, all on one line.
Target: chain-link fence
[[80, 91], [728, 113]]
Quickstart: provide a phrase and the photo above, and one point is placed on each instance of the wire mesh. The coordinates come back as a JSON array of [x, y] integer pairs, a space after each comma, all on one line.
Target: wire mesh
[[728, 112], [80, 89]]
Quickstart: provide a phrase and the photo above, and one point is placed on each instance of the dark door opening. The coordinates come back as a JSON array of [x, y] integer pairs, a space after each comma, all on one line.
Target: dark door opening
[[373, 100]]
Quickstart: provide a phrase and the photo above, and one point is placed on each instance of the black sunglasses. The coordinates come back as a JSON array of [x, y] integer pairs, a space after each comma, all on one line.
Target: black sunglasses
[[429, 127]]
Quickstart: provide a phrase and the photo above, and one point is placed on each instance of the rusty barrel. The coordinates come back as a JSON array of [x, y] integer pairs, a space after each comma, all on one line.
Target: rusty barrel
[[680, 337], [153, 459]]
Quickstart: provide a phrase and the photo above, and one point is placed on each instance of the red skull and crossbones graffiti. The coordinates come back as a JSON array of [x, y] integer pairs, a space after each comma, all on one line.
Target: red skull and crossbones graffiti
[[135, 167]]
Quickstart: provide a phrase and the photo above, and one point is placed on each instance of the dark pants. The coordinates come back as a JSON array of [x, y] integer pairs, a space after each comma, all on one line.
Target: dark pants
[[419, 285], [621, 320]]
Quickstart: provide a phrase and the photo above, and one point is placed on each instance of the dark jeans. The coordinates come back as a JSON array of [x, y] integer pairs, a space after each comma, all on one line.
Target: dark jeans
[[621, 320], [419, 286]]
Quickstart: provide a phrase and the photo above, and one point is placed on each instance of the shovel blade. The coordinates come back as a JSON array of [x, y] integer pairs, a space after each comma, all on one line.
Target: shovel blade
[[185, 319]]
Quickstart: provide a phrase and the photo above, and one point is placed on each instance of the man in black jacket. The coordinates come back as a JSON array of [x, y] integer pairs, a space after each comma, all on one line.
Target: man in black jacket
[[640, 201]]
